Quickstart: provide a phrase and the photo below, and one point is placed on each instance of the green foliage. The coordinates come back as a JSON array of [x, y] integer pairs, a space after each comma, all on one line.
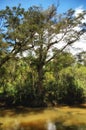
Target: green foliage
[[70, 91], [18, 84], [63, 60], [80, 74]]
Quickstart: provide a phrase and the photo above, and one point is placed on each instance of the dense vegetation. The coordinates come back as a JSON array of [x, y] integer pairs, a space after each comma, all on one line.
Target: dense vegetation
[[64, 82], [47, 75]]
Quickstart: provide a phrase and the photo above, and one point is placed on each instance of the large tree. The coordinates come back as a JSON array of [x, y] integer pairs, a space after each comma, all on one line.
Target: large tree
[[39, 32]]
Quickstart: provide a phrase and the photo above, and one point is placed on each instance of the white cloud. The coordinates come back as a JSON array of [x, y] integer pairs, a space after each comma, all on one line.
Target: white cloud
[[80, 45], [78, 10]]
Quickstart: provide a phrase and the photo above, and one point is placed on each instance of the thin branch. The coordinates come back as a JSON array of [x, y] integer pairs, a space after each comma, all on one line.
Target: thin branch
[[60, 51], [57, 41]]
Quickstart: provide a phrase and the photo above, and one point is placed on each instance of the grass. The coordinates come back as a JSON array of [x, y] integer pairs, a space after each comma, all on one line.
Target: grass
[[25, 117]]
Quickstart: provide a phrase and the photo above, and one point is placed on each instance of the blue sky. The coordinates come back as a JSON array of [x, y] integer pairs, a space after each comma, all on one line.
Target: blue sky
[[64, 5]]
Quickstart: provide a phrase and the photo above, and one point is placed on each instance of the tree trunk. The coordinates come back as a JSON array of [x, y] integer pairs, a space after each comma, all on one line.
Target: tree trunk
[[40, 79], [40, 90]]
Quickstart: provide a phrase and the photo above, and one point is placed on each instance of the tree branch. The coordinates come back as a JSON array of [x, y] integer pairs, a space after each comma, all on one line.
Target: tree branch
[[69, 43]]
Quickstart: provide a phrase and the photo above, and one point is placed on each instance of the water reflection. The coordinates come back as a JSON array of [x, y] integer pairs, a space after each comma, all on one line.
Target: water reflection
[[51, 126], [60, 126], [48, 125]]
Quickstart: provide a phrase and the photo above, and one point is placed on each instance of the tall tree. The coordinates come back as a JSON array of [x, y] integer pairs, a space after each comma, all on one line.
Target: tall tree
[[38, 31]]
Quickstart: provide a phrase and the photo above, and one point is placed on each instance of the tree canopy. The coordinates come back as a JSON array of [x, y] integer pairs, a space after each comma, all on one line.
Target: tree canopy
[[37, 31]]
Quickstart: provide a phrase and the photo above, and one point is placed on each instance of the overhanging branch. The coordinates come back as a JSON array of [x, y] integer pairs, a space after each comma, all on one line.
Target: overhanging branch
[[69, 43]]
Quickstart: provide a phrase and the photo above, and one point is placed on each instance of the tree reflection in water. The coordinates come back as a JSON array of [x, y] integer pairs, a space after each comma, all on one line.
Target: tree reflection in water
[[64, 118], [51, 126], [48, 125]]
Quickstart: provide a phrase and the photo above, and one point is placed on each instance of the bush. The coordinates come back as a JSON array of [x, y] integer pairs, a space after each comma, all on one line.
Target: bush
[[69, 92]]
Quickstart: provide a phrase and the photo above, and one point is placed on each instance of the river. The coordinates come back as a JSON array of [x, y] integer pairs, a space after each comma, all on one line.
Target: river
[[61, 118]]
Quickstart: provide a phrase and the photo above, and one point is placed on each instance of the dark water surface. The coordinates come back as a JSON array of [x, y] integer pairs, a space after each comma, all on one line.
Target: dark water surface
[[47, 126], [53, 126], [48, 119]]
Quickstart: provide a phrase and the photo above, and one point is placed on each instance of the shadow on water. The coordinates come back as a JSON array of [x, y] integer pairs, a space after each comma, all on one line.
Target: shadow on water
[[18, 111], [52, 126], [59, 126], [62, 118], [41, 125]]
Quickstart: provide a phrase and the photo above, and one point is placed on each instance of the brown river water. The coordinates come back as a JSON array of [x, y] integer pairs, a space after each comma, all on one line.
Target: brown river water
[[62, 118]]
